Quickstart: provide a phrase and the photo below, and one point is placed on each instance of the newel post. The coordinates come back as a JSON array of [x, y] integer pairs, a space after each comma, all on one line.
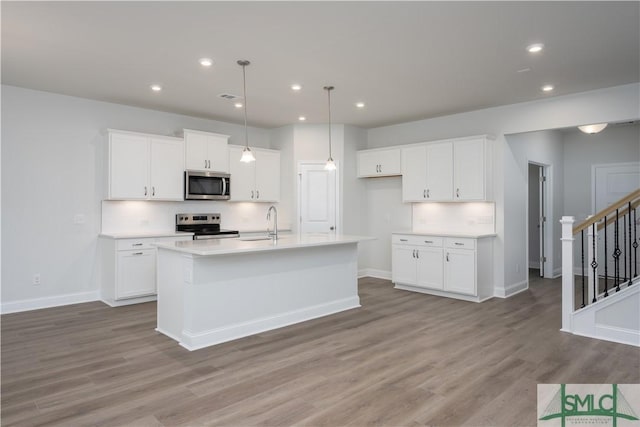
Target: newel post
[[568, 290]]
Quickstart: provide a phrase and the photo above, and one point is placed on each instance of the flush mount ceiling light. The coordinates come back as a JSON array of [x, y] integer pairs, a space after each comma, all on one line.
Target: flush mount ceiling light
[[296, 87], [302, 118], [360, 104], [156, 88], [535, 48], [238, 105], [206, 62], [247, 155], [547, 88], [593, 129], [330, 165]]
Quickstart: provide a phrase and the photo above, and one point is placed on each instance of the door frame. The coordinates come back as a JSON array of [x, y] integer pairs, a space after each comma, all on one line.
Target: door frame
[[547, 203], [299, 194]]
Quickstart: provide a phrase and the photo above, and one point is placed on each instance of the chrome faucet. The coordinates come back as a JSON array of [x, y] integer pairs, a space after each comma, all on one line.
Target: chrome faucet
[[273, 234]]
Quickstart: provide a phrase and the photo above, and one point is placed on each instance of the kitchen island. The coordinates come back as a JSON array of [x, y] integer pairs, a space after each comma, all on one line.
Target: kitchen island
[[213, 291]]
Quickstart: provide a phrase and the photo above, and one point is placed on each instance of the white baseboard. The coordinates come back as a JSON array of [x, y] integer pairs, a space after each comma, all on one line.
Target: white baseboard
[[372, 272], [511, 290], [129, 301], [196, 340], [48, 302]]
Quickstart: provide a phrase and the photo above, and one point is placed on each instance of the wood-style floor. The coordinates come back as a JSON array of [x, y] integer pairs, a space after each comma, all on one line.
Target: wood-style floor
[[402, 359]]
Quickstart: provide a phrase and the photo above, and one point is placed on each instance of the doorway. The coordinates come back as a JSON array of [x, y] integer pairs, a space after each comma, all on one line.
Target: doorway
[[537, 219], [317, 199]]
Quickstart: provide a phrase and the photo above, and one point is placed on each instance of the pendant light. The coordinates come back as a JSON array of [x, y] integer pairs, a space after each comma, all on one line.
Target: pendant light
[[593, 129], [330, 165], [247, 155]]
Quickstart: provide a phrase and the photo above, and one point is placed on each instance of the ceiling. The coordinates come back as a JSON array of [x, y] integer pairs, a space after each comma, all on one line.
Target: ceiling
[[404, 60]]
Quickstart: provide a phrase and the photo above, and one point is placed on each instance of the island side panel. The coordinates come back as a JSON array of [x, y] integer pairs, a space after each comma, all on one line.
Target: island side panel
[[235, 295], [173, 270]]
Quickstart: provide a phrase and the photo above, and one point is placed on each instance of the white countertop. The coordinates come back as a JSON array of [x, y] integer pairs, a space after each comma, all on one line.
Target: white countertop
[[239, 246], [146, 234], [447, 234]]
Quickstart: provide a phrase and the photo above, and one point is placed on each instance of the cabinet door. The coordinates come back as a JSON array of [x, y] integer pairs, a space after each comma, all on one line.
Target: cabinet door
[[218, 153], [136, 273], [414, 176], [368, 163], [403, 265], [243, 177], [440, 171], [267, 166], [469, 170], [128, 167], [167, 175], [429, 268], [460, 271], [196, 151], [389, 161]]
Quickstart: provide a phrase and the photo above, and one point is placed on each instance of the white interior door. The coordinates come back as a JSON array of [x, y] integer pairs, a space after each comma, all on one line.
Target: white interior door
[[611, 183], [318, 199], [542, 180]]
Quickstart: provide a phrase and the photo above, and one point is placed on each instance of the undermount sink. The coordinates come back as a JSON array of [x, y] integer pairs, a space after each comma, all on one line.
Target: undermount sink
[[255, 238]]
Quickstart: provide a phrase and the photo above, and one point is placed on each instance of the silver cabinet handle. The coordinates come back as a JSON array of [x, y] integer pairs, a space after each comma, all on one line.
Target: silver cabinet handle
[[257, 194], [137, 253], [403, 240], [153, 191], [380, 168], [417, 253], [447, 256], [458, 244], [457, 192], [424, 194], [136, 244], [145, 190], [413, 253], [428, 241], [252, 194], [428, 193], [205, 163]]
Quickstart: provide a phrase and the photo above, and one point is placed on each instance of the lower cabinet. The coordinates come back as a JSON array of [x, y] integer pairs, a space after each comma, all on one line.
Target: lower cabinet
[[447, 266], [128, 269]]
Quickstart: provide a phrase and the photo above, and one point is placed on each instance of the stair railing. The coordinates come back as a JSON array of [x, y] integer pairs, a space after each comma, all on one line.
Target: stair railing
[[601, 273]]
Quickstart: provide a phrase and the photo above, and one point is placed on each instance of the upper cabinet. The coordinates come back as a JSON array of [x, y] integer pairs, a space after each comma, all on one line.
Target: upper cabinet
[[257, 181], [452, 170], [379, 162], [206, 151], [144, 167]]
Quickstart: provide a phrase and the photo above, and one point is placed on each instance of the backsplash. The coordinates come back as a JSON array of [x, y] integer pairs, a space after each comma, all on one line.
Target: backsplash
[[148, 216], [471, 217]]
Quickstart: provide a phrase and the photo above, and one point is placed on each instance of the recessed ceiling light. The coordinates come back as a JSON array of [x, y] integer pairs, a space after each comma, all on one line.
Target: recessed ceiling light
[[296, 87], [238, 105], [360, 104], [547, 88], [524, 70], [156, 88], [302, 118], [535, 48], [206, 62]]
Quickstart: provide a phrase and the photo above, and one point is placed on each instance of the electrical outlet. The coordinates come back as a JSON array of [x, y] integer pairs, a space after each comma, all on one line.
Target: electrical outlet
[[36, 279]]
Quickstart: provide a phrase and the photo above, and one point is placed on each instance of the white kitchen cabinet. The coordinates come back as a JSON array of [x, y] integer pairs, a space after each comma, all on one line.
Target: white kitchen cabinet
[[453, 267], [206, 151], [257, 181], [128, 268], [379, 162], [427, 172], [144, 167], [444, 171]]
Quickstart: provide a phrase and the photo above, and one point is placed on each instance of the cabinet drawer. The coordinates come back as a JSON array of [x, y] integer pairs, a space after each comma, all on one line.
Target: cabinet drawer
[[173, 239], [131, 244], [460, 243], [406, 239]]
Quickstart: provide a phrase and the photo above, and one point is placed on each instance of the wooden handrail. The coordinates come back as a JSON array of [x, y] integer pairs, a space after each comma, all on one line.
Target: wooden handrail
[[631, 197], [611, 219]]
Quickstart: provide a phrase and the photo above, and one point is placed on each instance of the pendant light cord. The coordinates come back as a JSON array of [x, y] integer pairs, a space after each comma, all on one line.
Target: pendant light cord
[[329, 89], [244, 90]]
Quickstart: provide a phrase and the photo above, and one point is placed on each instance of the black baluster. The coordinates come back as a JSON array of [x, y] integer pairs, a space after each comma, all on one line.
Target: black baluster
[[606, 261], [582, 270], [594, 263], [630, 263], [635, 245], [624, 250]]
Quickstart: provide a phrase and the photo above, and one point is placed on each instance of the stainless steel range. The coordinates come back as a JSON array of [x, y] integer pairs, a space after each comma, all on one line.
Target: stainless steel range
[[204, 226]]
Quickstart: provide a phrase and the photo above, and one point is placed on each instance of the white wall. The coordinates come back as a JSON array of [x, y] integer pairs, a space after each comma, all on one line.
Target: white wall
[[615, 144], [52, 169], [606, 105]]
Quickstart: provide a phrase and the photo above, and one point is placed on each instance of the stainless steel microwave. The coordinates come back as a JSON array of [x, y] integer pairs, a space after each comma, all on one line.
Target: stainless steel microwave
[[200, 185]]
